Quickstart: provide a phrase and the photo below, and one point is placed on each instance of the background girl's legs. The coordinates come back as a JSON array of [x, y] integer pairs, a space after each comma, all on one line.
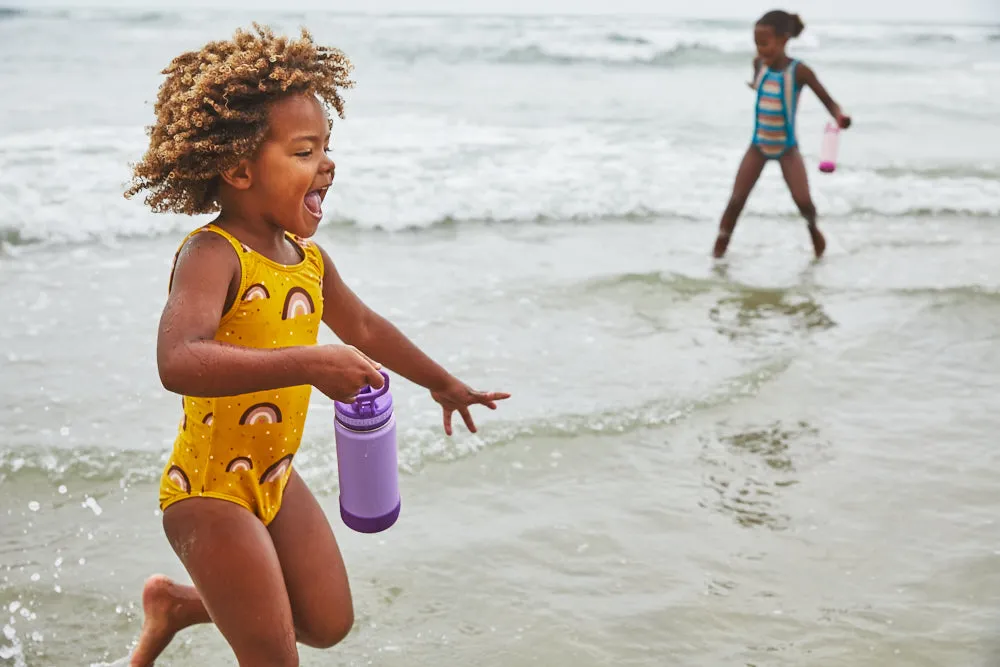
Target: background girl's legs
[[793, 168], [316, 588], [746, 177]]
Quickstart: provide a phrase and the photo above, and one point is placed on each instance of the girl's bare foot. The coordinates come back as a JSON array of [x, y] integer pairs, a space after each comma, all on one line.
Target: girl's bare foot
[[167, 608], [819, 242], [721, 243]]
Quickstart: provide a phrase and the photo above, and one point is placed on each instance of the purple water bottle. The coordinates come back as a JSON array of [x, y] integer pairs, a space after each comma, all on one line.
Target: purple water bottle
[[366, 460]]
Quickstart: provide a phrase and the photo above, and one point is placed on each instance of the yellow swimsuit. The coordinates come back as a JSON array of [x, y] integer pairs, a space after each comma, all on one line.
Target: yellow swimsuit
[[240, 448]]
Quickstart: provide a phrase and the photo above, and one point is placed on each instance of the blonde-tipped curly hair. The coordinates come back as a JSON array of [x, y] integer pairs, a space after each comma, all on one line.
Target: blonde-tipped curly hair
[[212, 109]]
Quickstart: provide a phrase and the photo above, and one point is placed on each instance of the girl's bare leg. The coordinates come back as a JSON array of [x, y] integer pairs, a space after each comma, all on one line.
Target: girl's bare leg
[[793, 168], [312, 568], [746, 178], [240, 587]]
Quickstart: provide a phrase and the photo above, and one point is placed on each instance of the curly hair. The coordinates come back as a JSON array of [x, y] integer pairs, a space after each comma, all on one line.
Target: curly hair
[[212, 110]]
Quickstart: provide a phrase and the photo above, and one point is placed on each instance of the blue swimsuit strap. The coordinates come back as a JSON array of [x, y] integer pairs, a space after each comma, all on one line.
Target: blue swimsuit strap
[[790, 90]]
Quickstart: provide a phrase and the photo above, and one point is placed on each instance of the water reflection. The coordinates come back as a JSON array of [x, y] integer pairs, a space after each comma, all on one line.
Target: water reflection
[[754, 312], [749, 468], [743, 311]]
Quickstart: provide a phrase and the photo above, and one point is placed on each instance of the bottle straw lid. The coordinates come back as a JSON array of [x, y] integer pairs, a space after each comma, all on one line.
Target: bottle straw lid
[[369, 411]]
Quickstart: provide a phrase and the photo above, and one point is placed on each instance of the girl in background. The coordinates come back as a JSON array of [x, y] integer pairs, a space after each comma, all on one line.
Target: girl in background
[[778, 81]]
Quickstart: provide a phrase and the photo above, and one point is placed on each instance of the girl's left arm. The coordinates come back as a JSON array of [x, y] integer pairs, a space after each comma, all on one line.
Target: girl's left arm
[[358, 325], [806, 77]]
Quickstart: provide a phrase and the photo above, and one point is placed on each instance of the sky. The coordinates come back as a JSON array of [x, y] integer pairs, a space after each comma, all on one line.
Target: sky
[[958, 11]]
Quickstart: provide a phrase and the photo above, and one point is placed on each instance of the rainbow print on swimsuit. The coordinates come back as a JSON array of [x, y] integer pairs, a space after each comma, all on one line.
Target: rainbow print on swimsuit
[[240, 464], [177, 476], [298, 302], [256, 292], [277, 470], [261, 413]]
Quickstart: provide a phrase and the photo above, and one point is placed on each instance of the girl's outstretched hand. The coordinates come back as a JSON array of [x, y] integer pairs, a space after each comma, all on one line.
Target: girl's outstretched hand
[[458, 396], [843, 120]]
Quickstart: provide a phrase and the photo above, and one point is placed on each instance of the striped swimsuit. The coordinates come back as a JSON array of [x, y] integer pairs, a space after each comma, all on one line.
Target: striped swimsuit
[[777, 97]]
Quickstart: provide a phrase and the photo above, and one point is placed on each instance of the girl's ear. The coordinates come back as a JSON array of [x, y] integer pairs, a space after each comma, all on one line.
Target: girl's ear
[[239, 176]]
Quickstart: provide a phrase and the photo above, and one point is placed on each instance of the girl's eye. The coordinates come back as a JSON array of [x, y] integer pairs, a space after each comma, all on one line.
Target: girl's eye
[[304, 153], [326, 149]]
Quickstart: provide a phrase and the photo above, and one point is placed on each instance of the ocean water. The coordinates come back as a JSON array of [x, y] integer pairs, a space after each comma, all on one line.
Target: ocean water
[[761, 461]]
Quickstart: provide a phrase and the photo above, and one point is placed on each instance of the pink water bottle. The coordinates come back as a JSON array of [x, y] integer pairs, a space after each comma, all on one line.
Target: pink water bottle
[[828, 151], [367, 460]]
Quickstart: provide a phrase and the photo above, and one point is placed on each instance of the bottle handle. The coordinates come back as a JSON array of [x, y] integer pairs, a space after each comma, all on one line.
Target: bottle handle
[[367, 399]]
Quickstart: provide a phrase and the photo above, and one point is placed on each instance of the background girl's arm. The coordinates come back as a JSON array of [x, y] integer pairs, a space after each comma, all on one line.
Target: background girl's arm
[[206, 278], [756, 69], [806, 77]]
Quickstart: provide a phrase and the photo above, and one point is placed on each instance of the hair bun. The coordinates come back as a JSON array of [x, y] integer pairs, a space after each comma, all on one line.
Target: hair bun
[[796, 26]]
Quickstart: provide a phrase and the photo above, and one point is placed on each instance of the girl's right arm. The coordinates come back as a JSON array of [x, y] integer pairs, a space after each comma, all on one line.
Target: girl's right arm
[[192, 363], [756, 69]]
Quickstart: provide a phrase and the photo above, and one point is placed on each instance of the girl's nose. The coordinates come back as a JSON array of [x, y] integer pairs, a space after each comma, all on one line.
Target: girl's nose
[[328, 165]]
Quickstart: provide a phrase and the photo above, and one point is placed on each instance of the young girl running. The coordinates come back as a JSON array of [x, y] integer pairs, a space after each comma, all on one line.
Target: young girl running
[[242, 131], [778, 81]]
